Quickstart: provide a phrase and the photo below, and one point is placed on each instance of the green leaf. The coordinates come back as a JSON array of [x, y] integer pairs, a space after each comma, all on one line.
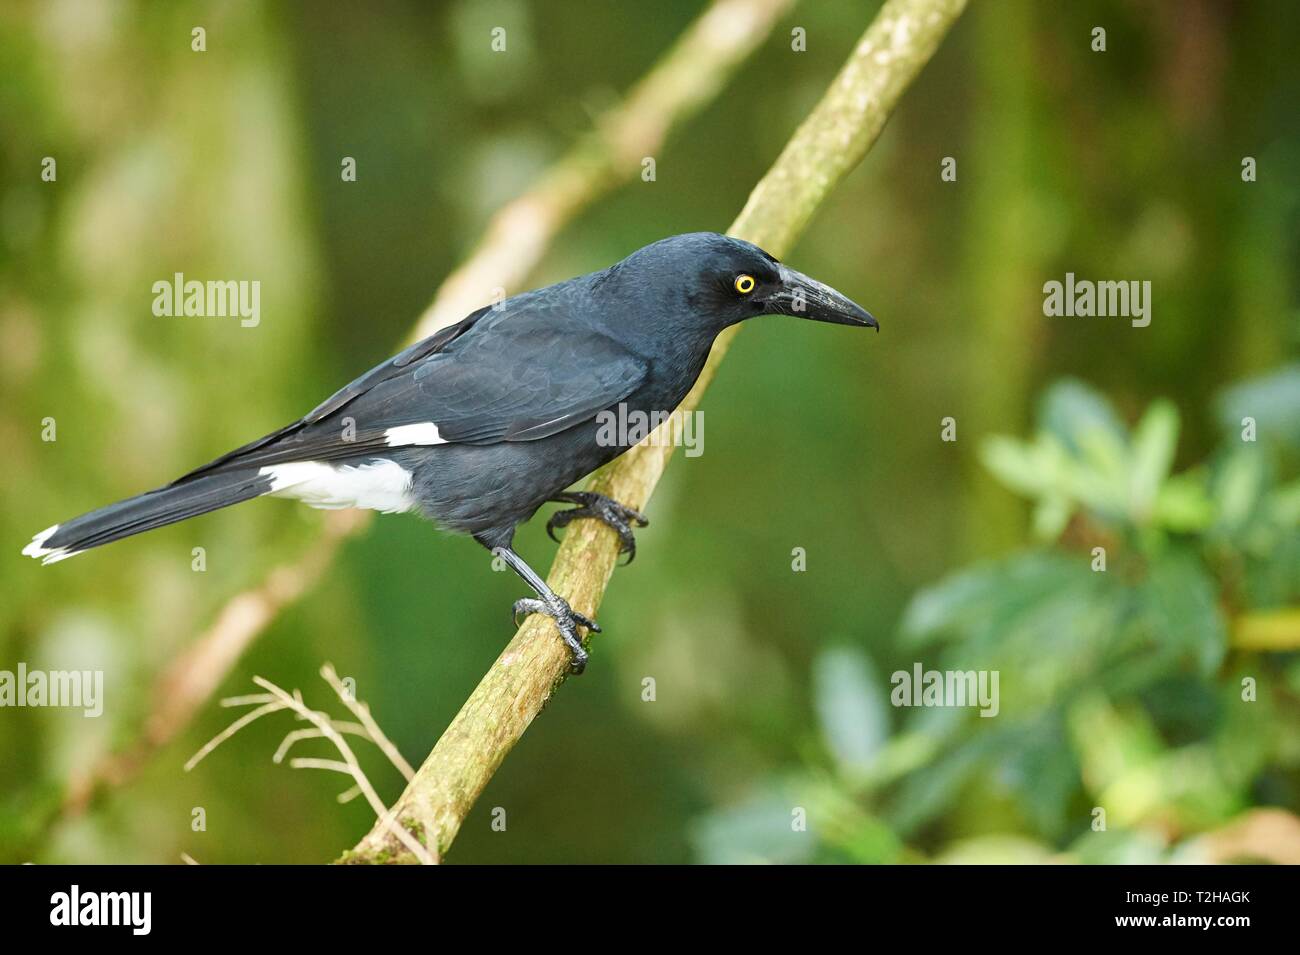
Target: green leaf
[[1110, 741], [1052, 516], [851, 707], [757, 830], [1044, 770], [1183, 504], [946, 605], [1272, 400], [926, 793], [1070, 409], [1034, 469], [1237, 485], [1284, 505], [1101, 476], [987, 598], [1184, 610], [1119, 847], [996, 849], [1154, 441]]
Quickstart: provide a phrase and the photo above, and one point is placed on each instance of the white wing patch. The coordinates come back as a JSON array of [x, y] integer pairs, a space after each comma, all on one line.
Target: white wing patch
[[424, 433], [378, 486]]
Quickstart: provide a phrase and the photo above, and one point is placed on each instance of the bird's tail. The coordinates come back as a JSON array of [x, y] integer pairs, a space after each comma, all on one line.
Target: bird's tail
[[167, 505]]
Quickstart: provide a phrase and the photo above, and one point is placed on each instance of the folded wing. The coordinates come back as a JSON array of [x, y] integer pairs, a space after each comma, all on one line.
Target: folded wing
[[492, 377]]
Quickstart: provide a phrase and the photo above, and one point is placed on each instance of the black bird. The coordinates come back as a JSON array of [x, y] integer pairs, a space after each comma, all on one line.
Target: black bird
[[478, 425]]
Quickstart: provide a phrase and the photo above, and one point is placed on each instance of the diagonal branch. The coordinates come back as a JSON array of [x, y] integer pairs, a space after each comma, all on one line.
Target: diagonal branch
[[687, 78], [680, 84], [831, 141]]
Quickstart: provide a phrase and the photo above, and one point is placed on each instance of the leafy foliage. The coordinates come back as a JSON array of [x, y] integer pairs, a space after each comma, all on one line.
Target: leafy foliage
[[1121, 691]]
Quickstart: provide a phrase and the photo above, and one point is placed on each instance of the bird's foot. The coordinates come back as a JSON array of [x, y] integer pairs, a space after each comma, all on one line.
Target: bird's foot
[[567, 621], [604, 509]]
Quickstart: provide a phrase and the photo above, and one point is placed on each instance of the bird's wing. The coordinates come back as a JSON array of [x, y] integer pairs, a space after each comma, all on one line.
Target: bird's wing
[[392, 367], [519, 380]]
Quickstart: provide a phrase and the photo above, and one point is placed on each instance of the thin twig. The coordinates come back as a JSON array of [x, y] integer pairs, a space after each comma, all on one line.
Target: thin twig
[[322, 722], [310, 762], [352, 729], [276, 700], [231, 730], [362, 713]]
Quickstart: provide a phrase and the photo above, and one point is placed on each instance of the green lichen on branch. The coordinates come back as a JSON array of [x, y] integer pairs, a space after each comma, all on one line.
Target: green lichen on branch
[[829, 143]]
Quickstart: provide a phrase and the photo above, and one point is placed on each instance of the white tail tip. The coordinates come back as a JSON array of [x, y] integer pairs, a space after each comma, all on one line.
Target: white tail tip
[[47, 555]]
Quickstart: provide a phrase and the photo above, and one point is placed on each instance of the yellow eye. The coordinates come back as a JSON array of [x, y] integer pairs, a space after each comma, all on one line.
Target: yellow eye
[[744, 284]]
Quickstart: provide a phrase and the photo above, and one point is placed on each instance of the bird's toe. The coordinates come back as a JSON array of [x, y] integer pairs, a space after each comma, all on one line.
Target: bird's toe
[[632, 515], [525, 606], [560, 519], [567, 621]]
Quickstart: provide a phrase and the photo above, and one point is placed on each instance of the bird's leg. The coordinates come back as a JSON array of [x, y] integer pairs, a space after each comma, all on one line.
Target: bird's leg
[[567, 620], [604, 509]]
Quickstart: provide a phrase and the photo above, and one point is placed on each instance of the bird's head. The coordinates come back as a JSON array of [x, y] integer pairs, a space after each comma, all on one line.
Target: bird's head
[[731, 280]]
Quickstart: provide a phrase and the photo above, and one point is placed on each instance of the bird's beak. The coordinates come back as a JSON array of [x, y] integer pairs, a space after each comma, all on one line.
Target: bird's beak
[[804, 297]]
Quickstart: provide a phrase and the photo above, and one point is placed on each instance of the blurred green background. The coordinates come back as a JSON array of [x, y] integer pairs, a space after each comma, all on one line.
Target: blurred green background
[[1120, 690]]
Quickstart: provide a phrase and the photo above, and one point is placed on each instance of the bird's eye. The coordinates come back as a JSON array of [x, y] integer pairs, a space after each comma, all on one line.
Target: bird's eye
[[744, 284]]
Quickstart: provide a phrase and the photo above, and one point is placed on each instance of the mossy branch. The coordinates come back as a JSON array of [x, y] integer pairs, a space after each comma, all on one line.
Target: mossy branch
[[830, 142]]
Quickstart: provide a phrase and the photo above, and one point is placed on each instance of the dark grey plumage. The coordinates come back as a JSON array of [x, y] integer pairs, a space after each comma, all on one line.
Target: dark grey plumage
[[480, 424]]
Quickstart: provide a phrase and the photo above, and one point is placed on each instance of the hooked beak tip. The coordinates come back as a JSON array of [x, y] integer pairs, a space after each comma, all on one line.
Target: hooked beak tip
[[821, 303]]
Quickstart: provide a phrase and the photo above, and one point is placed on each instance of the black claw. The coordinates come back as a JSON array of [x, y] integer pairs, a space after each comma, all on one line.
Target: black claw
[[567, 620], [578, 663], [525, 606], [560, 519], [610, 512]]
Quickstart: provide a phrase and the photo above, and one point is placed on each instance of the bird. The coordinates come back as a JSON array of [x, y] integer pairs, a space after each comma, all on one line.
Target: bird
[[478, 425]]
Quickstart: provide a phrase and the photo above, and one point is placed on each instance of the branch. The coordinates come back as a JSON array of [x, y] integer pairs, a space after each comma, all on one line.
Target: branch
[[687, 78], [831, 141], [683, 81]]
